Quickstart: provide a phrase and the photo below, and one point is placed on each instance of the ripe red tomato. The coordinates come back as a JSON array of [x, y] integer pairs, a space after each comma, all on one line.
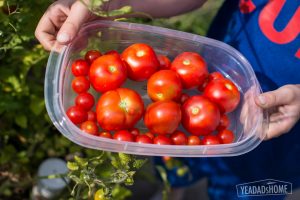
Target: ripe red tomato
[[105, 134], [210, 140], [163, 117], [200, 116], [134, 131], [92, 55], [112, 52], [179, 138], [164, 62], [85, 100], [164, 85], [89, 127], [215, 75], [92, 116], [80, 84], [107, 73], [184, 97], [150, 135], [119, 109], [224, 123], [162, 140], [141, 60], [77, 114], [80, 68], [194, 140], [224, 93], [124, 135], [191, 68], [143, 139], [226, 136]]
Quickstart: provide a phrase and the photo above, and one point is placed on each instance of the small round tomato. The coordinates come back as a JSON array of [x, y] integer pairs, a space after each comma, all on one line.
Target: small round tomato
[[89, 127], [85, 100], [134, 131], [124, 135], [200, 116], [215, 75], [80, 68], [92, 116], [112, 52], [224, 93], [162, 140], [105, 134], [143, 139], [164, 62], [210, 140], [150, 135], [92, 55], [107, 73], [191, 69], [141, 60], [194, 140], [179, 138], [100, 195], [80, 84], [162, 117], [77, 114], [226, 136], [224, 123], [119, 109], [202, 86], [184, 97], [164, 85]]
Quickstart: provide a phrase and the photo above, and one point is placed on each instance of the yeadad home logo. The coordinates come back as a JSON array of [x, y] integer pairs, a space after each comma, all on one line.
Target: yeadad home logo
[[264, 187]]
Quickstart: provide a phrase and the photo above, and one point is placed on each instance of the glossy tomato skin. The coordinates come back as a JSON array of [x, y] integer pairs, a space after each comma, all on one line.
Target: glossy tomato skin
[[224, 123], [162, 117], [89, 127], [211, 140], [105, 134], [200, 116], [92, 55], [80, 68], [194, 140], [162, 140], [134, 131], [77, 114], [150, 135], [119, 109], [112, 52], [85, 100], [191, 68], [164, 85], [92, 116], [80, 84], [226, 136], [224, 93], [123, 135], [179, 138], [164, 62], [107, 72], [184, 97], [143, 139], [141, 61], [215, 75]]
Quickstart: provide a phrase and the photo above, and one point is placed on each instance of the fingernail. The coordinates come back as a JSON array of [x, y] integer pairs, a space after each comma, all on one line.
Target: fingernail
[[63, 37], [262, 100]]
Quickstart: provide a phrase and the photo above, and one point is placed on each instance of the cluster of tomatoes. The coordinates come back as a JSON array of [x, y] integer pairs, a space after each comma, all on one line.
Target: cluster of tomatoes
[[204, 115]]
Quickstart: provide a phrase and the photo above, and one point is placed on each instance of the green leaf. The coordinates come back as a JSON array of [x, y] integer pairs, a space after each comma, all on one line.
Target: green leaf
[[81, 161], [139, 163], [72, 166], [21, 120], [120, 193], [124, 158], [37, 105]]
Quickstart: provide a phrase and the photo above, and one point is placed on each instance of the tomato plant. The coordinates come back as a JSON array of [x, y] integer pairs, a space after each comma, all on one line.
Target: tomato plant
[[77, 114]]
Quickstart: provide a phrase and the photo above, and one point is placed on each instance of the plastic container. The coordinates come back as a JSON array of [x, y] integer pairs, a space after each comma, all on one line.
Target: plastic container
[[248, 121]]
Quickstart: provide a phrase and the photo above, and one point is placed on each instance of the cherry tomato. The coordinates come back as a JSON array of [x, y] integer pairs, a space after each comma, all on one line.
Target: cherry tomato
[[200, 116], [119, 109], [194, 140], [210, 140], [92, 116], [80, 84], [89, 127], [134, 131], [224, 93], [124, 135], [85, 100], [164, 62], [143, 139], [164, 85], [184, 97], [162, 140], [150, 135], [226, 136], [141, 60], [77, 114], [105, 134], [224, 123], [179, 138], [191, 68], [215, 75], [162, 117], [107, 73], [202, 86], [92, 55], [100, 195], [112, 52], [80, 68]]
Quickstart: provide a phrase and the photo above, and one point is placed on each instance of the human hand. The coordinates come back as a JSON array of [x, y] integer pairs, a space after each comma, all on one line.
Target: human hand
[[284, 104]]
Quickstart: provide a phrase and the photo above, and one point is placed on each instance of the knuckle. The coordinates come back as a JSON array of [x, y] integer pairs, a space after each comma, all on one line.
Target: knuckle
[[290, 92]]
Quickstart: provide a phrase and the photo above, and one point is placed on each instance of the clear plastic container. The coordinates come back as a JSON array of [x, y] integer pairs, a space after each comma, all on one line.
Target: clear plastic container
[[248, 122]]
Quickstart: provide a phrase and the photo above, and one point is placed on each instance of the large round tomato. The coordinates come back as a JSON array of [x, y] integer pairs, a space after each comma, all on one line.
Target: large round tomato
[[164, 85], [191, 68], [107, 72], [119, 109], [163, 117], [141, 60], [200, 116], [224, 93]]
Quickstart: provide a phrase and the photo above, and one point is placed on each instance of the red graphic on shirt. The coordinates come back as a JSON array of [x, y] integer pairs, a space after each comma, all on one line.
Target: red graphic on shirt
[[246, 6]]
